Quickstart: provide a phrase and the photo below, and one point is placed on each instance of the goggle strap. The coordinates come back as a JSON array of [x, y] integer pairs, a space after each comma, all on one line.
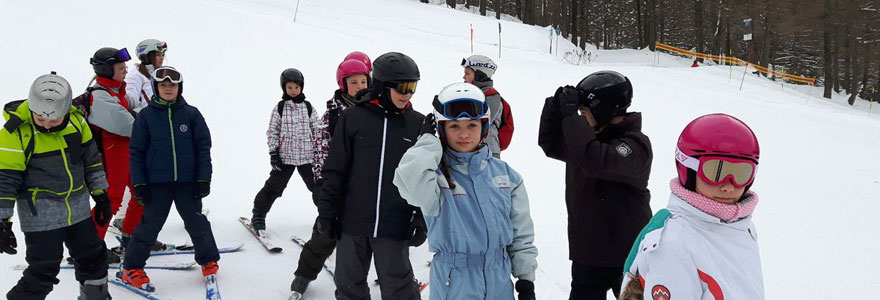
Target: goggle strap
[[688, 161]]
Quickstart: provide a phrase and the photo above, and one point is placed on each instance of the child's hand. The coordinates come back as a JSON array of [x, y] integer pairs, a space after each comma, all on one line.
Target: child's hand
[[429, 126], [7, 238], [275, 160], [525, 290]]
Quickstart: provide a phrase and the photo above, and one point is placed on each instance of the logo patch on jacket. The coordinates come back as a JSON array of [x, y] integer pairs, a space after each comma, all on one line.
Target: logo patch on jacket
[[623, 149], [183, 128], [501, 182], [660, 292]]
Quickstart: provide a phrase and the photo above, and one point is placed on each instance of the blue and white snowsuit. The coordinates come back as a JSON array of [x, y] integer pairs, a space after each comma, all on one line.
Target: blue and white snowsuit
[[480, 231]]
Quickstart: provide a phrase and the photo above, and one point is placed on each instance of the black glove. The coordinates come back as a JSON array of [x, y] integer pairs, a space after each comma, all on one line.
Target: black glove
[[429, 126], [142, 194], [418, 230], [568, 99], [103, 213], [204, 189], [275, 160], [327, 227], [525, 290], [7, 238]]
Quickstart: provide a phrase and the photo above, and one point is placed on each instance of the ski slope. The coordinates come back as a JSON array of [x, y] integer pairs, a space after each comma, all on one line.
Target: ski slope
[[818, 180]]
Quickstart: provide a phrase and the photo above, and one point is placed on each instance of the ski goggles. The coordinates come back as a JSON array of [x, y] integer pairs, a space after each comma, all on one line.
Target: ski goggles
[[467, 63], [120, 56], [163, 74], [716, 170], [458, 108], [404, 87]]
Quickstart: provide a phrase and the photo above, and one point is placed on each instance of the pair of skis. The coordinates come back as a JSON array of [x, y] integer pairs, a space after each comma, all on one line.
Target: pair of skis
[[212, 289]]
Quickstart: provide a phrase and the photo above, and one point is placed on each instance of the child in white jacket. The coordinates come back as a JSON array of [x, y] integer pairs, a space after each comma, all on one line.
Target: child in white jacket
[[704, 244]]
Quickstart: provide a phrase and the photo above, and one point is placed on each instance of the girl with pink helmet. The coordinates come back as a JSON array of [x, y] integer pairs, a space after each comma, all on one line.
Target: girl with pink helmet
[[352, 76], [704, 244]]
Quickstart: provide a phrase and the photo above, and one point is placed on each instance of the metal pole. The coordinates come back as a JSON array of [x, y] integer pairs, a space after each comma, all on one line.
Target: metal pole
[[499, 39], [472, 38], [744, 76], [296, 12]]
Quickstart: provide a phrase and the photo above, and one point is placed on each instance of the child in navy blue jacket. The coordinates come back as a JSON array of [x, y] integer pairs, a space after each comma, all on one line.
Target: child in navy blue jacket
[[170, 162]]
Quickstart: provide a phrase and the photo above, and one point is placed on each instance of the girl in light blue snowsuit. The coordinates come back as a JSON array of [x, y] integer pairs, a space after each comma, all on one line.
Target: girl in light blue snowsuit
[[476, 206]]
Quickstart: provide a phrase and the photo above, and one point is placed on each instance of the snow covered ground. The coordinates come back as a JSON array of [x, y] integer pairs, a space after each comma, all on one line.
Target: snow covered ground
[[818, 178]]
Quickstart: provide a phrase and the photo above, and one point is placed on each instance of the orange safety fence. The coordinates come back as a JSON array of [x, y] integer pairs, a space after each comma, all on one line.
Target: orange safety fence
[[735, 61]]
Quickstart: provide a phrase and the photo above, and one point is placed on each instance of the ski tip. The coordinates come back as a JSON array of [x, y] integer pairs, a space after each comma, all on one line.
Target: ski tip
[[276, 250]]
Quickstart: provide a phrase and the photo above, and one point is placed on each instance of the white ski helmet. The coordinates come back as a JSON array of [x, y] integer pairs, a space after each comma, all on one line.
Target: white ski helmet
[[50, 96], [459, 101], [480, 63], [149, 45]]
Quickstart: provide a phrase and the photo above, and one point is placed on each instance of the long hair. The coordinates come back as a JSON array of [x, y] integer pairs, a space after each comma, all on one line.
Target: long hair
[[633, 289]]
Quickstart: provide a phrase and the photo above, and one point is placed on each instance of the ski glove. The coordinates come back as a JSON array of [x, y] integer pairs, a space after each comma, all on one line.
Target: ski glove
[[7, 238], [418, 230], [327, 227], [103, 213], [525, 290], [429, 126], [204, 189], [275, 160], [142, 194], [568, 99]]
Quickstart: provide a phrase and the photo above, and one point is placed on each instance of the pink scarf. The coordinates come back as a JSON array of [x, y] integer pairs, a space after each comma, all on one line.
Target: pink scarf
[[726, 212]]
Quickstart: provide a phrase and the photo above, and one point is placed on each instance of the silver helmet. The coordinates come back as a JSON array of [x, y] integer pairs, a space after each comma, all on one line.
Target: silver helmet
[[50, 96]]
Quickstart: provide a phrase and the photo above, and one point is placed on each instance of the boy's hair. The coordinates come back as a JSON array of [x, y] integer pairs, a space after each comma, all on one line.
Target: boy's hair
[[633, 289]]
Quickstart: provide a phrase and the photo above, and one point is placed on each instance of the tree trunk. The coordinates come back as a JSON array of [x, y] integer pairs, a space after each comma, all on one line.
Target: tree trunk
[[483, 4], [641, 34], [764, 59], [652, 24], [497, 9], [698, 25], [574, 23], [828, 57], [662, 21]]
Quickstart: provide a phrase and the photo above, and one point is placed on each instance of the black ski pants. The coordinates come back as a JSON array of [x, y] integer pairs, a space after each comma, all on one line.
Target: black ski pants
[[315, 252], [189, 206], [44, 255], [277, 182], [593, 283], [353, 257]]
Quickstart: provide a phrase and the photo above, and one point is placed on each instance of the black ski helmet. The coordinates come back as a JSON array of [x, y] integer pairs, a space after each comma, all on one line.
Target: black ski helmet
[[292, 75], [607, 93], [392, 68], [105, 58]]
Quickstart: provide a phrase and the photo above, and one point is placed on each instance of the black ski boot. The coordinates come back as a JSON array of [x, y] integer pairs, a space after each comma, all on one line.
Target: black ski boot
[[298, 287], [94, 290], [258, 221]]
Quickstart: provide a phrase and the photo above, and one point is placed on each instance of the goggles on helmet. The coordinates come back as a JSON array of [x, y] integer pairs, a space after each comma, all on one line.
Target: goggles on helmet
[[458, 108], [163, 74], [716, 170], [120, 56], [404, 87]]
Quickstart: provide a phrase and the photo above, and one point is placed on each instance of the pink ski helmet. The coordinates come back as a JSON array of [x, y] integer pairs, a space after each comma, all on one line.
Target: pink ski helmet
[[348, 68], [362, 57], [717, 136]]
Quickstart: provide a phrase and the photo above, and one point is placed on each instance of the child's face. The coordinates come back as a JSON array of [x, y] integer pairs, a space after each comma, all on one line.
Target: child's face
[[119, 71], [168, 91], [400, 100], [47, 123], [469, 75], [355, 83], [158, 59], [724, 193], [463, 135], [292, 89]]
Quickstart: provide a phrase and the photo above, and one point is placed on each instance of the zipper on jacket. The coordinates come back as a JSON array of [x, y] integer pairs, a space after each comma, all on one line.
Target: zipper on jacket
[[173, 146], [381, 167], [70, 188]]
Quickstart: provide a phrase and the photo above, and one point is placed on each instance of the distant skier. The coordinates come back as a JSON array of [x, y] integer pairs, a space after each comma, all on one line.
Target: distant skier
[[352, 76], [476, 206], [170, 163], [49, 165], [478, 70], [704, 244], [291, 129], [608, 161]]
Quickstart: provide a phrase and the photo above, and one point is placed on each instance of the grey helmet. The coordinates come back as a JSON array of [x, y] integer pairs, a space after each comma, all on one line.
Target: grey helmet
[[50, 96], [149, 45], [480, 63]]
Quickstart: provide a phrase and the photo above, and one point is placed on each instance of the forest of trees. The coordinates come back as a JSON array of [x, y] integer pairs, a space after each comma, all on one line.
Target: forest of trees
[[836, 41]]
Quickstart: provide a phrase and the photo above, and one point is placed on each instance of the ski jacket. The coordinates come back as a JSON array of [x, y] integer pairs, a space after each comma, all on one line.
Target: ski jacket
[[690, 254], [324, 130], [112, 111], [170, 143], [479, 228], [50, 175], [139, 88], [367, 145], [606, 183], [291, 132], [495, 109]]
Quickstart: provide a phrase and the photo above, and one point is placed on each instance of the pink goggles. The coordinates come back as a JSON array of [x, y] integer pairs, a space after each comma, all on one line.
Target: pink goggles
[[718, 169]]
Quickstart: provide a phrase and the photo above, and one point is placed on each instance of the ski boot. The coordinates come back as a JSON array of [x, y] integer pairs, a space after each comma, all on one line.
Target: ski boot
[[137, 278], [298, 287], [94, 290], [258, 221]]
